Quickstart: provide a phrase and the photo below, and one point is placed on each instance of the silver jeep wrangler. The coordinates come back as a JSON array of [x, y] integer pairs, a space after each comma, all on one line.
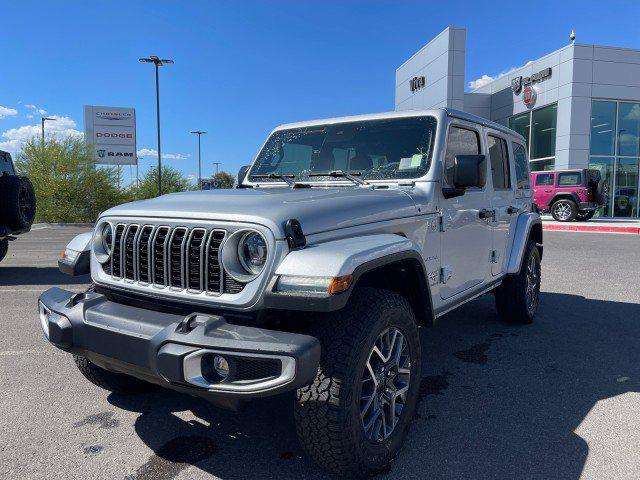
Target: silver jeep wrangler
[[343, 238]]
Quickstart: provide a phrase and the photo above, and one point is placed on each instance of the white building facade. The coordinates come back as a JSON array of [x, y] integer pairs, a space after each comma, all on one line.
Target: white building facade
[[577, 107]]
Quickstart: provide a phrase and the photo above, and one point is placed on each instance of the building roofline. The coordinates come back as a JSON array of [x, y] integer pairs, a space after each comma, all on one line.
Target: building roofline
[[428, 43]]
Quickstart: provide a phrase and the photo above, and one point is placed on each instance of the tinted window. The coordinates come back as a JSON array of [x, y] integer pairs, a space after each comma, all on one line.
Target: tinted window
[[499, 162], [543, 132], [603, 127], [521, 164], [544, 179], [629, 129], [5, 164], [568, 179], [520, 123], [462, 141], [377, 149]]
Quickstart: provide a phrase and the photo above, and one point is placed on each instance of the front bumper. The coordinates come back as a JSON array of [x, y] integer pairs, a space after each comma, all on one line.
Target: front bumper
[[169, 349]]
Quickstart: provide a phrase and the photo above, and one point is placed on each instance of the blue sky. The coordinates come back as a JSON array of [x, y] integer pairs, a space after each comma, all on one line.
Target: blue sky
[[242, 68]]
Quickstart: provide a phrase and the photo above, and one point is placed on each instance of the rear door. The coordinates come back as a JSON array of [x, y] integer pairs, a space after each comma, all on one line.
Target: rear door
[[502, 198], [543, 188]]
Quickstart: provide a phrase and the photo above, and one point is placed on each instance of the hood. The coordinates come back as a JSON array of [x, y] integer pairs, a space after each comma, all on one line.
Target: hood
[[317, 209]]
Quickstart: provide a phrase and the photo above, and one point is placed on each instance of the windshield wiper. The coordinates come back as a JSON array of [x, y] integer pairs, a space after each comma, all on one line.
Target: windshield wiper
[[285, 177], [340, 174]]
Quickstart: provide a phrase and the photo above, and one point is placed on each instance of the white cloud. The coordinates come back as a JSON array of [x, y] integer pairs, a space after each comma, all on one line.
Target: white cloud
[[150, 152], [59, 126], [634, 113], [7, 112], [31, 106], [485, 79]]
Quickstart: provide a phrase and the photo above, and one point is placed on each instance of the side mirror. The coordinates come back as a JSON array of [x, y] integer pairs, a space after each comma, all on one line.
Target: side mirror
[[242, 173], [468, 172]]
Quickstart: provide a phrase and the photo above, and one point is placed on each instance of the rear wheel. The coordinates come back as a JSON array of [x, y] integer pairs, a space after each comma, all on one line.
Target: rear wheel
[[353, 418], [564, 210], [518, 296], [17, 202], [583, 216], [111, 381], [4, 248]]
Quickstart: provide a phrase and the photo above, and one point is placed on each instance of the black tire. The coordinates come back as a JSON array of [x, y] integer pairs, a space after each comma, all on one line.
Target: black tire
[[111, 381], [17, 202], [512, 302], [564, 205], [327, 412], [584, 216], [602, 192], [4, 248]]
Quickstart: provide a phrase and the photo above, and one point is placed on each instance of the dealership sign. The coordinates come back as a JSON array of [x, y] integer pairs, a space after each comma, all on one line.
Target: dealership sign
[[416, 83], [525, 85], [112, 130]]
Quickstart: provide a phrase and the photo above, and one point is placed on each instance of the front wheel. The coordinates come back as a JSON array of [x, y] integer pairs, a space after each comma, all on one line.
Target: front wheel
[[518, 296], [353, 418], [564, 210]]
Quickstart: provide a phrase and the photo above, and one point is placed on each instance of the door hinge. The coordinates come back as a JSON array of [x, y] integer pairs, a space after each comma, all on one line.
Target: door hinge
[[441, 222], [493, 258], [445, 274]]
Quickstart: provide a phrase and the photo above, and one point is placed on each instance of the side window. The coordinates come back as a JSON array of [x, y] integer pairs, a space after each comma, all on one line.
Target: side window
[[5, 164], [544, 180], [521, 163], [569, 179], [499, 157], [462, 141]]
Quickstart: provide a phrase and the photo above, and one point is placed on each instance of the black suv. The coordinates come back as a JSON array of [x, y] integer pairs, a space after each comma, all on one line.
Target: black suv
[[17, 203]]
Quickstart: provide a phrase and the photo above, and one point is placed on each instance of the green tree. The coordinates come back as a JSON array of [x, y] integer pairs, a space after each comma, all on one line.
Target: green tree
[[226, 179], [68, 185], [172, 181]]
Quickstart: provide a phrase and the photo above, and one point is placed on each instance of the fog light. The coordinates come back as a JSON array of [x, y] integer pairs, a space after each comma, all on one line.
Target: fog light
[[44, 318], [221, 366]]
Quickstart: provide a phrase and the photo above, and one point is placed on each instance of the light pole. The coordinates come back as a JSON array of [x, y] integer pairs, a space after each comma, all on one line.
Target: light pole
[[217, 164], [199, 133], [158, 63], [43, 120]]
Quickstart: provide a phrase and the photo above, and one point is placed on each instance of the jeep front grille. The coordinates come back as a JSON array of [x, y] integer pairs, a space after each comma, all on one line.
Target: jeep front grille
[[180, 258]]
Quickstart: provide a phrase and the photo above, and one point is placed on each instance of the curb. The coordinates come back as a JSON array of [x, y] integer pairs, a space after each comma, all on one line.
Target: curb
[[592, 229]]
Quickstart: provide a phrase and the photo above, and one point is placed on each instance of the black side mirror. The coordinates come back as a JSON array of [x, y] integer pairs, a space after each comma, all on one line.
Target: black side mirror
[[242, 173], [468, 172]]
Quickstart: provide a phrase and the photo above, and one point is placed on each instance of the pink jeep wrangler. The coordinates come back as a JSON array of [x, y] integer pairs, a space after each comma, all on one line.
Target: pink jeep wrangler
[[570, 194]]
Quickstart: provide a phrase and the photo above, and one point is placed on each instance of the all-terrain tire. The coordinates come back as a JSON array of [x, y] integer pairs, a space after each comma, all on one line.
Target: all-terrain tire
[[585, 216], [17, 202], [327, 412], [4, 248], [111, 381], [602, 192], [513, 302], [568, 208]]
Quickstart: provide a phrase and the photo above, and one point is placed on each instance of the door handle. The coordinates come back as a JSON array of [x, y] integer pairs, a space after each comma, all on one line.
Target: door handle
[[485, 213], [548, 191]]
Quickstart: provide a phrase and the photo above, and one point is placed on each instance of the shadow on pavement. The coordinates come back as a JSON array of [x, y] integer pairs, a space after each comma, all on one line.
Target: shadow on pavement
[[14, 276], [499, 401]]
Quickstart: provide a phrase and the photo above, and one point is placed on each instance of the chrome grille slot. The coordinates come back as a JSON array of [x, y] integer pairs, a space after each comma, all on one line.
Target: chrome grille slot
[[214, 272], [195, 256], [176, 257], [144, 261], [158, 256], [116, 266], [129, 242]]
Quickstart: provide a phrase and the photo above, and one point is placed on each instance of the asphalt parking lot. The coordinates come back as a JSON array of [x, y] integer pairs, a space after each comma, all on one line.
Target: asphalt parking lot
[[558, 399]]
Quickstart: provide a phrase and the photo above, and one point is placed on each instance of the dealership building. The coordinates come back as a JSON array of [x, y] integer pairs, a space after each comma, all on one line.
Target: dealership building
[[577, 107]]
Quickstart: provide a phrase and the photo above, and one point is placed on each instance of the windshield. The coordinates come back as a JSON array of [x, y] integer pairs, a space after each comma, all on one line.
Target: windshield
[[388, 149]]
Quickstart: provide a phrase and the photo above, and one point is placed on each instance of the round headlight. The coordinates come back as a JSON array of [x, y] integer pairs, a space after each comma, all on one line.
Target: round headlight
[[107, 238], [252, 252]]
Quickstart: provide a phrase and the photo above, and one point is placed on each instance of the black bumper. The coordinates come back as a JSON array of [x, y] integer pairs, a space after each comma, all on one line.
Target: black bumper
[[152, 345]]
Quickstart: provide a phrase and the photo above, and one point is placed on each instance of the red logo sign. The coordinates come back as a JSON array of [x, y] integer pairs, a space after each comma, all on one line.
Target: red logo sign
[[529, 96]]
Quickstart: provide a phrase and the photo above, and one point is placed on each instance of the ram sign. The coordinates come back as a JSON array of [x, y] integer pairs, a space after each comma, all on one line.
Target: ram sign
[[112, 130]]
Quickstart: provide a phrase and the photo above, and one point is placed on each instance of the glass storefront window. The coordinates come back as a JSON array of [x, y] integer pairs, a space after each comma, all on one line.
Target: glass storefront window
[[625, 201], [520, 124], [603, 127], [605, 166], [547, 164], [629, 129], [543, 132]]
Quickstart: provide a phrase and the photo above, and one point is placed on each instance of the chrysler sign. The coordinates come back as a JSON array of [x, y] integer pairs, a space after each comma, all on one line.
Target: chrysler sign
[[112, 130]]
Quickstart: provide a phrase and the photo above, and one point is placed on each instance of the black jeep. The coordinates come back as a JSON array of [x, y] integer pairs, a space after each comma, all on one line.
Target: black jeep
[[17, 203]]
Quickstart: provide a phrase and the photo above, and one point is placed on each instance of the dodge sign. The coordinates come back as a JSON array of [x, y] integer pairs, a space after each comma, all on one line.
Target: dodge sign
[[112, 130]]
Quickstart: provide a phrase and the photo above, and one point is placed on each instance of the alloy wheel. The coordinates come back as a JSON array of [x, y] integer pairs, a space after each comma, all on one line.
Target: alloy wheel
[[533, 279], [385, 384], [562, 210]]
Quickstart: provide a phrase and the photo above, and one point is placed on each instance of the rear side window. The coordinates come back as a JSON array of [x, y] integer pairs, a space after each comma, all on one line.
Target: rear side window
[[499, 157], [569, 179], [5, 164], [462, 141], [544, 180], [521, 164]]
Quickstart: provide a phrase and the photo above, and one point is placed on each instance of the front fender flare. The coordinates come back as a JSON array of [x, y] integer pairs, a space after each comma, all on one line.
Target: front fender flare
[[524, 226]]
